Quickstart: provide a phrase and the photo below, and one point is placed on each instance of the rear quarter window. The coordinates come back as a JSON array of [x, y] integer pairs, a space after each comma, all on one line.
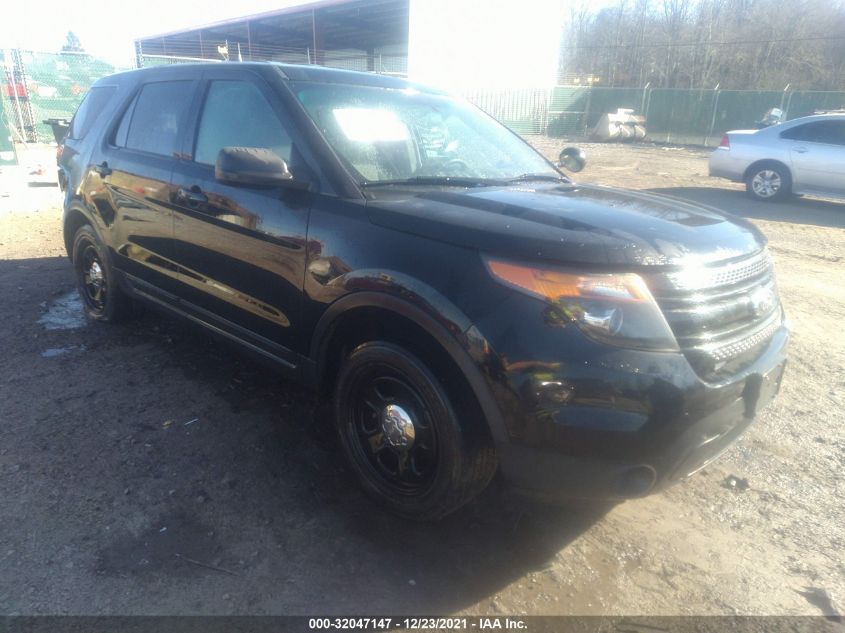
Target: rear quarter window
[[90, 110]]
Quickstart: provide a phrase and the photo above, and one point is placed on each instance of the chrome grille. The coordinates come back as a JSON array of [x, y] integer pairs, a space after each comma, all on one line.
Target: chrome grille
[[695, 277], [721, 314]]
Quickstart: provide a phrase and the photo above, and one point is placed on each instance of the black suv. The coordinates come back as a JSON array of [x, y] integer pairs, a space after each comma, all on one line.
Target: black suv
[[466, 307]]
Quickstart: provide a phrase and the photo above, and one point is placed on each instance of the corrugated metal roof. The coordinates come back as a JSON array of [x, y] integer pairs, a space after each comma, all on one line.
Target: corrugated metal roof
[[305, 5]]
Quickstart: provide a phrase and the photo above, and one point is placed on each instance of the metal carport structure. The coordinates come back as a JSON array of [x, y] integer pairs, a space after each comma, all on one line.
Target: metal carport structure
[[355, 34]]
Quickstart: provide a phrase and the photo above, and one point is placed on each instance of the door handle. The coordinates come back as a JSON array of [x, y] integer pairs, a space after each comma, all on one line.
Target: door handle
[[801, 150], [102, 169], [194, 195]]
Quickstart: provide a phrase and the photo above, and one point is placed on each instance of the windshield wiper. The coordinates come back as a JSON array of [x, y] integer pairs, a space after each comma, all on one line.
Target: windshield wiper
[[544, 177], [464, 181], [456, 181]]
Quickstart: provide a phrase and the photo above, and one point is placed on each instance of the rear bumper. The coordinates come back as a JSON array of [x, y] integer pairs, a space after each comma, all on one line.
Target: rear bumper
[[609, 461], [723, 164]]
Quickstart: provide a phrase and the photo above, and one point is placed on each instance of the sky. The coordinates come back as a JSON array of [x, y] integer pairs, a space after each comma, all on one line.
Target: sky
[[505, 46], [108, 29]]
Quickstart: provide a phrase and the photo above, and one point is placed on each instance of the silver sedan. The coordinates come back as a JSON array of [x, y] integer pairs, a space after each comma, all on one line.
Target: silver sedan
[[801, 156]]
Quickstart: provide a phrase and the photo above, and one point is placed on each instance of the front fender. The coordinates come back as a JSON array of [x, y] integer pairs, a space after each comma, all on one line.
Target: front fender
[[425, 307], [408, 289]]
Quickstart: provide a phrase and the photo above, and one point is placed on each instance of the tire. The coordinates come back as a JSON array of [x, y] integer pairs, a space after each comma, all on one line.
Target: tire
[[768, 182], [102, 298], [402, 438]]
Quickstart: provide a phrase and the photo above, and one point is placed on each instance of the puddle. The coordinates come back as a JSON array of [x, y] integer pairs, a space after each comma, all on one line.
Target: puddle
[[59, 351], [65, 313]]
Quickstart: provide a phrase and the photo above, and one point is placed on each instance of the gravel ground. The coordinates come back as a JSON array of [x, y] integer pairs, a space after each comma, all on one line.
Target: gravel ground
[[145, 469]]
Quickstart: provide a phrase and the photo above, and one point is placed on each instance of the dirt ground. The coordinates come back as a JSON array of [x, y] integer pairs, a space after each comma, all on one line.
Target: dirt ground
[[145, 469]]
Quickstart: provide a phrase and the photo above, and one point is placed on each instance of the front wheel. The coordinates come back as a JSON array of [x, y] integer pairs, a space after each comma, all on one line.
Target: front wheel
[[402, 436], [768, 183], [101, 296]]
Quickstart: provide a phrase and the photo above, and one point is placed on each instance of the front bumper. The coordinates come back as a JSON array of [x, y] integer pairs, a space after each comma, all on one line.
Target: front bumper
[[634, 434]]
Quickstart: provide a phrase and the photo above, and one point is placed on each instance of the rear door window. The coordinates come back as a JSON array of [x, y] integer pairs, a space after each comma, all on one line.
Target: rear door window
[[156, 118], [830, 132], [834, 132], [89, 111], [237, 114]]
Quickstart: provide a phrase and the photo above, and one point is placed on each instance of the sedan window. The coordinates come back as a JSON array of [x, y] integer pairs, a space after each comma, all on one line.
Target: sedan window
[[830, 132]]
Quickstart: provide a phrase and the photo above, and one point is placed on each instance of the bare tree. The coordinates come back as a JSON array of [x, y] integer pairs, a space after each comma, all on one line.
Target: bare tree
[[762, 44]]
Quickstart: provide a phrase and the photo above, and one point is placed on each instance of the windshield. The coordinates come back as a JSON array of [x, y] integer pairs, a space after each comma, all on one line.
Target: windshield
[[389, 135]]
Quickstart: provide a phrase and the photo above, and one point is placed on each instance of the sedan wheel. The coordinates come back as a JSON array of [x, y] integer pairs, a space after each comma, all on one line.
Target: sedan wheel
[[768, 183]]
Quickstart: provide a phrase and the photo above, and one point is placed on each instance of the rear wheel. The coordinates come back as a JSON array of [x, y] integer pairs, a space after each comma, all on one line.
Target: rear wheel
[[102, 298], [768, 182], [402, 437]]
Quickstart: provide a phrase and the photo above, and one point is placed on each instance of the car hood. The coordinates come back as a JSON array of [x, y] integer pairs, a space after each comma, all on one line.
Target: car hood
[[583, 224]]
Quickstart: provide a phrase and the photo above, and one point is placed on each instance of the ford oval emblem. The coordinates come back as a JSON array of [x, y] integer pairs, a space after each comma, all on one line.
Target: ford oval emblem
[[762, 300]]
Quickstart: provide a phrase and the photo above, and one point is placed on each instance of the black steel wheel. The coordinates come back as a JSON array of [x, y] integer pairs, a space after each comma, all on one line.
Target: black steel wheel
[[402, 436], [102, 298], [94, 287], [394, 429]]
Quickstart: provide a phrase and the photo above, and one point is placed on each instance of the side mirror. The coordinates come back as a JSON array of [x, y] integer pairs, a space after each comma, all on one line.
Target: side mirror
[[254, 166], [572, 159]]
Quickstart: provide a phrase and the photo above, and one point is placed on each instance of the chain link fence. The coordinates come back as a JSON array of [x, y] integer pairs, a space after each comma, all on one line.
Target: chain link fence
[[383, 60], [39, 86], [7, 147], [688, 117], [387, 64]]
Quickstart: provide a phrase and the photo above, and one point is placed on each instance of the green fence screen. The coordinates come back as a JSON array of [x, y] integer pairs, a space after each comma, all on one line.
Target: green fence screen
[[7, 149], [38, 86], [689, 117]]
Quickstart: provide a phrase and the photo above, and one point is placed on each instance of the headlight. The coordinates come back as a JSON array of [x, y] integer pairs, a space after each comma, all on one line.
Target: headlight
[[612, 308]]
